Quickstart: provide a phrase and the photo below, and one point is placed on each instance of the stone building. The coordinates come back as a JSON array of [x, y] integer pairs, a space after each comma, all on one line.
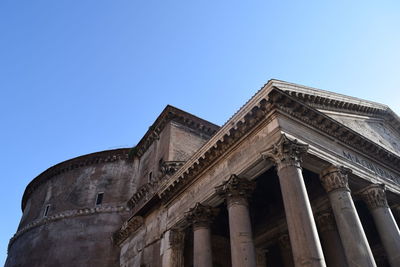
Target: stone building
[[297, 177]]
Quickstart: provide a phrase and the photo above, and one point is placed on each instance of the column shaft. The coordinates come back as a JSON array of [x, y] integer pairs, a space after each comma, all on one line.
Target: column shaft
[[236, 191], [389, 233], [355, 244], [202, 256], [306, 247], [242, 246], [330, 239]]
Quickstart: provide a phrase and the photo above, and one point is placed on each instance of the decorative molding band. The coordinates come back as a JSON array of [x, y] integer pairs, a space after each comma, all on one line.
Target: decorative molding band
[[72, 164], [66, 215], [128, 228]]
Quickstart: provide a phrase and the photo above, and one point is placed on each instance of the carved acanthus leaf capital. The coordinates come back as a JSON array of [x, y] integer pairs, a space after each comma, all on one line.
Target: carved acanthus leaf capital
[[236, 188], [286, 152], [334, 177], [326, 221], [374, 196], [201, 215]]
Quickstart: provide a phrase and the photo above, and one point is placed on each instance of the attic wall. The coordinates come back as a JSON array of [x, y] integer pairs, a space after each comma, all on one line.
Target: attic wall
[[185, 142]]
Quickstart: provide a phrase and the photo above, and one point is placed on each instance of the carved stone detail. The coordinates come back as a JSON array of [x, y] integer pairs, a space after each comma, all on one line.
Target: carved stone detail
[[236, 189], [128, 227], [334, 178], [286, 152], [374, 196], [326, 221], [170, 167], [284, 242], [201, 215]]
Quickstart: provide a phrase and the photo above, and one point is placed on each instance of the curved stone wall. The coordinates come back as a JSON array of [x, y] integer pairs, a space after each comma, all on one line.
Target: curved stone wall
[[62, 223]]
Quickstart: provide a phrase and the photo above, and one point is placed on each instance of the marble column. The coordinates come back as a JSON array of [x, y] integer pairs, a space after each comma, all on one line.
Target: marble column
[[200, 217], [375, 198], [236, 191], [330, 239], [286, 250], [357, 250], [306, 247], [172, 248]]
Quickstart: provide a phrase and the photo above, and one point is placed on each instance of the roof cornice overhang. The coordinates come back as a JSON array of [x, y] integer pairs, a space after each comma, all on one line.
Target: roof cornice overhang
[[171, 113], [256, 110]]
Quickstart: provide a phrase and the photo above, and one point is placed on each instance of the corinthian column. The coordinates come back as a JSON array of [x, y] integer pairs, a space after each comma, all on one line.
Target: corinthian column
[[333, 249], [200, 217], [236, 191], [375, 198], [303, 233], [355, 244]]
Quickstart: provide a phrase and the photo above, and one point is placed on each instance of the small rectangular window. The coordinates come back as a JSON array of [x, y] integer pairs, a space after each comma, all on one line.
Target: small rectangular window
[[99, 198], [150, 176], [46, 210]]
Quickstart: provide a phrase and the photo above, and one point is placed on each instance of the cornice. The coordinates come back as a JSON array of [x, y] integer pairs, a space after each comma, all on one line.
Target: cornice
[[171, 113], [229, 135], [72, 164], [129, 227], [65, 215], [311, 116]]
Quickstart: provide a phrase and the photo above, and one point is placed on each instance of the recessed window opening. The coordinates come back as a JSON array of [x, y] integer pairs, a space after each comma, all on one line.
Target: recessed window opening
[[99, 198], [150, 176], [46, 210]]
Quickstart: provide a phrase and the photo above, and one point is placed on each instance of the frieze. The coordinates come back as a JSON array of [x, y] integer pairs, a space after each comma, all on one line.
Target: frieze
[[376, 169], [65, 215], [128, 228]]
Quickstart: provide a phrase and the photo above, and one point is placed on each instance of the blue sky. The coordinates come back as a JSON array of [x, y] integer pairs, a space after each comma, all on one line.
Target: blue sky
[[83, 76]]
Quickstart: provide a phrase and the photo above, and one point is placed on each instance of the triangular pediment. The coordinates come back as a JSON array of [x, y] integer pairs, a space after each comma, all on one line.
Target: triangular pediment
[[374, 121]]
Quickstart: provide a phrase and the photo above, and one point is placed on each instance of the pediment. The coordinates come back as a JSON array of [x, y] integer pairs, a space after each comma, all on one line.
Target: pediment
[[375, 129], [374, 121]]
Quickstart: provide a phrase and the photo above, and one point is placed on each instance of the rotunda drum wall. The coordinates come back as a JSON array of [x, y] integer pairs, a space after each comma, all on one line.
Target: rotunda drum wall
[[80, 188]]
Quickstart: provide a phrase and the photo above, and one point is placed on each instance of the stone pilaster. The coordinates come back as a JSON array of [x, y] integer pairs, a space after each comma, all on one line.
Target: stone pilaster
[[287, 155], [357, 250], [375, 198], [236, 191], [173, 244], [330, 239], [200, 217]]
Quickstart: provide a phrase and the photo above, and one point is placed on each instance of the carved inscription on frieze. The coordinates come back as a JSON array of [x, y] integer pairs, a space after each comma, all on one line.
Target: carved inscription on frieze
[[376, 169]]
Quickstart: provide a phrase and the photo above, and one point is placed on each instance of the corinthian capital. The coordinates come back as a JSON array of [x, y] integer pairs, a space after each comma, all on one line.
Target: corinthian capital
[[334, 177], [374, 196], [236, 188], [286, 152], [201, 215]]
